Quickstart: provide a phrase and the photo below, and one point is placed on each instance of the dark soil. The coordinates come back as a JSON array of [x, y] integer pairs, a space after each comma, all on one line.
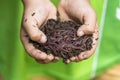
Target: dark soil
[[62, 39]]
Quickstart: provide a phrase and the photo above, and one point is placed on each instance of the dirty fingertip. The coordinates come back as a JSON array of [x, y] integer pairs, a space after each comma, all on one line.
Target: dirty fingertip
[[55, 59], [42, 55], [81, 56], [67, 61], [80, 33], [50, 57], [43, 39], [72, 58]]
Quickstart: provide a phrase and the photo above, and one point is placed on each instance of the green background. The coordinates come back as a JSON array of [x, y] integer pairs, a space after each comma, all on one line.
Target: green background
[[15, 64]]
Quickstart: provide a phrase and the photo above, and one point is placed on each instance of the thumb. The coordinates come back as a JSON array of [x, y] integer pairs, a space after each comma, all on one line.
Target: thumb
[[89, 24], [52, 14], [31, 27], [63, 15]]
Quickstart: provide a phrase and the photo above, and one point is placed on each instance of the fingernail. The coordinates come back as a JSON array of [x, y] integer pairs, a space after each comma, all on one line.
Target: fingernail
[[80, 33], [55, 59], [72, 58], [50, 57], [43, 39], [67, 61]]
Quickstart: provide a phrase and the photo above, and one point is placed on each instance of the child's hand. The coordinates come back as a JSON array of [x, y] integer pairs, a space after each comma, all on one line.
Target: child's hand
[[80, 11], [36, 13]]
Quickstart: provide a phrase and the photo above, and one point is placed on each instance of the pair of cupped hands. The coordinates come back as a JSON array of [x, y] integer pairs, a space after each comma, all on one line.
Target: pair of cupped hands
[[37, 12]]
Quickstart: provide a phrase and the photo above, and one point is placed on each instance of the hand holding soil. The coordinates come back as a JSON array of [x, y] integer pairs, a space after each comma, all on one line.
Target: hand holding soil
[[82, 12], [73, 36], [36, 13], [63, 41]]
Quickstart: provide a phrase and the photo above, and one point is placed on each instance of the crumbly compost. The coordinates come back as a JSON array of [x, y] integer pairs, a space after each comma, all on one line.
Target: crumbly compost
[[62, 39]]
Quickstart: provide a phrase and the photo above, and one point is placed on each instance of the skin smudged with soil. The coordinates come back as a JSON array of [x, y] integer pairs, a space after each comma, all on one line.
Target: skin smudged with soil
[[62, 39]]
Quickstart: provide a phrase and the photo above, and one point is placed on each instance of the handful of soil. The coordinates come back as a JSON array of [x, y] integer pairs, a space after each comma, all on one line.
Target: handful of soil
[[62, 39]]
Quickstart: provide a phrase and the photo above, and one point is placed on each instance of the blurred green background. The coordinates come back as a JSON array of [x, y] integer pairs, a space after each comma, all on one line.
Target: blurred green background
[[15, 64]]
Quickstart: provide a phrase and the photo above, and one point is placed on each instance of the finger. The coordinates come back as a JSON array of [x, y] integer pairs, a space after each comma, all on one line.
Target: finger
[[31, 24], [72, 58], [55, 59], [67, 61], [77, 59], [89, 23], [31, 50], [87, 54], [49, 58], [63, 15], [53, 14]]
